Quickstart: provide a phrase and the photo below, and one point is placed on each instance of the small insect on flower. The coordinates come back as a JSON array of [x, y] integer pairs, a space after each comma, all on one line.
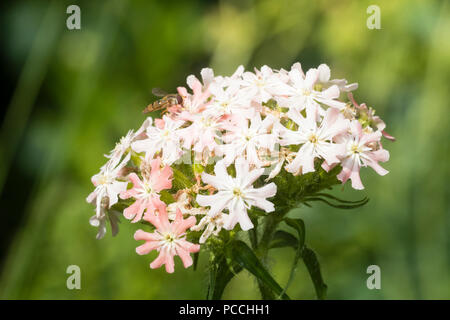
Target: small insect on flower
[[167, 101]]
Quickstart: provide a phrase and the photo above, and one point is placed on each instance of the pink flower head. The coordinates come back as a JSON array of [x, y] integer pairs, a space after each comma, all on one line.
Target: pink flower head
[[369, 114], [193, 103], [146, 191], [169, 239], [361, 151]]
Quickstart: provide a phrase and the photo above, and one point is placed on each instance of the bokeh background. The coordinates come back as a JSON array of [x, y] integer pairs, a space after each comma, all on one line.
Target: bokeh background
[[68, 96]]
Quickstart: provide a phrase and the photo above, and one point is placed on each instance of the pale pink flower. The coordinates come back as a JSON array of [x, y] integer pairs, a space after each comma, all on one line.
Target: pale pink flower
[[212, 225], [202, 133], [300, 93], [243, 139], [236, 194], [107, 185], [230, 101], [316, 140], [209, 79], [361, 151], [276, 163], [146, 191], [371, 118], [284, 74], [324, 80], [193, 103], [207, 76], [169, 239], [183, 203], [261, 85], [164, 138]]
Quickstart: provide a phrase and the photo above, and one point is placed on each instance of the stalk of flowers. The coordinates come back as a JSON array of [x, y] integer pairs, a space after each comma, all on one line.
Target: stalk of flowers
[[238, 152]]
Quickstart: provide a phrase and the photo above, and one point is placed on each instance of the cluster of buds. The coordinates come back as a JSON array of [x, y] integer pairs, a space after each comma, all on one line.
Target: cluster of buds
[[209, 160]]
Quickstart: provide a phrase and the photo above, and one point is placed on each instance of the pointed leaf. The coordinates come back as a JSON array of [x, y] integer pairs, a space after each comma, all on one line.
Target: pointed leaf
[[245, 257], [313, 266], [339, 206], [283, 239], [221, 272], [340, 200], [180, 180], [166, 197], [299, 226]]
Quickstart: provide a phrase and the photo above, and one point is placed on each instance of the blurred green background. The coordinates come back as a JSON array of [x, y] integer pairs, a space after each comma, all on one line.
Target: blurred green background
[[70, 95]]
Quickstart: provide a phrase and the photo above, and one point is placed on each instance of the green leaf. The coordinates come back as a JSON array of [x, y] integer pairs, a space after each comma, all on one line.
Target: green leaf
[[253, 233], [166, 197], [283, 239], [313, 266], [326, 195], [245, 257], [219, 276], [299, 226], [136, 159], [339, 206], [180, 180], [197, 168], [195, 263]]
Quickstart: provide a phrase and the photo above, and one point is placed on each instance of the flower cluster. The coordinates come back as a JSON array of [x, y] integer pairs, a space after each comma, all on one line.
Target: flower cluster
[[209, 161]]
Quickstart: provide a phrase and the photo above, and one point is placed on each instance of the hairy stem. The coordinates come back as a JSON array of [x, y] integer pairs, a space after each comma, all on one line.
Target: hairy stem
[[262, 251]]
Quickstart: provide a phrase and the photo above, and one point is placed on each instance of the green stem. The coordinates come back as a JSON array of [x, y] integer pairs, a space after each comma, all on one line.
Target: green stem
[[253, 234], [262, 251], [220, 275]]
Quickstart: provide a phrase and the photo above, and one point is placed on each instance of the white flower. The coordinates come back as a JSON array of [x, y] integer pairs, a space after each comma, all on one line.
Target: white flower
[[236, 194], [277, 163], [301, 93], [316, 141], [261, 85], [207, 77], [213, 225], [106, 184], [324, 80], [242, 139], [235, 78], [163, 138], [100, 222], [183, 204], [229, 100], [362, 150], [202, 133], [125, 142]]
